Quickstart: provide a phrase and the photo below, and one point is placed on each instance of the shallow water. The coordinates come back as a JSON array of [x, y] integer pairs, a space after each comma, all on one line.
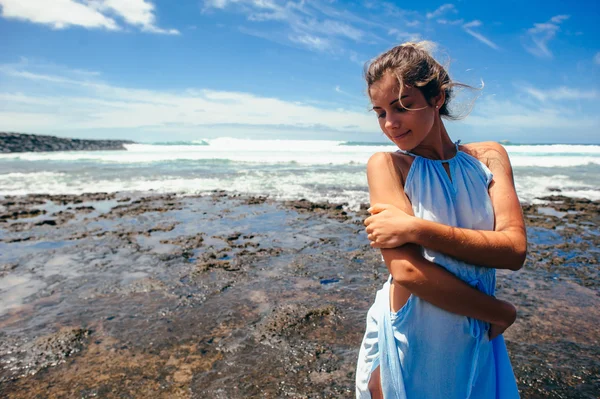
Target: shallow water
[[227, 297]]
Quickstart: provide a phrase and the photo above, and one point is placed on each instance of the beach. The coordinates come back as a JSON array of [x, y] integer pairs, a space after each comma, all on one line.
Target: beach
[[235, 268], [232, 296]]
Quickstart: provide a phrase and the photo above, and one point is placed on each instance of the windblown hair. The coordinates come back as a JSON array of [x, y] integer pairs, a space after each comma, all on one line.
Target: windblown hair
[[414, 66]]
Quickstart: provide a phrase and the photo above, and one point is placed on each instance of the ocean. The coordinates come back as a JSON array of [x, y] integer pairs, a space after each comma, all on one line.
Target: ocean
[[317, 170]]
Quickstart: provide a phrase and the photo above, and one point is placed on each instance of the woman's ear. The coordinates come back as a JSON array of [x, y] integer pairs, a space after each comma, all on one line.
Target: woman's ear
[[438, 101]]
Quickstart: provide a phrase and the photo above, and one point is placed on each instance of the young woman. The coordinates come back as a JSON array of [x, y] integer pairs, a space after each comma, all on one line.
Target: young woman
[[445, 216]]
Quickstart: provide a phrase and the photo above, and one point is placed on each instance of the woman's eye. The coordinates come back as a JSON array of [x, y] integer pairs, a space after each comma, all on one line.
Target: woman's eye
[[402, 109], [382, 115]]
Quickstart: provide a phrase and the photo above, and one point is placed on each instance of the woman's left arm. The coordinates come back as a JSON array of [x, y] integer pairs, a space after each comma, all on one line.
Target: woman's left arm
[[503, 248]]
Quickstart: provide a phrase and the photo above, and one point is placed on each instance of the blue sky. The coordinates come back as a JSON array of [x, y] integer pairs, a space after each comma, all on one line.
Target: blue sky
[[163, 70]]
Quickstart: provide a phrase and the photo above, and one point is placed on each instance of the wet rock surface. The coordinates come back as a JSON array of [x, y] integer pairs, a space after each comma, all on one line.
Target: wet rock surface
[[19, 142], [43, 352], [564, 239], [118, 295]]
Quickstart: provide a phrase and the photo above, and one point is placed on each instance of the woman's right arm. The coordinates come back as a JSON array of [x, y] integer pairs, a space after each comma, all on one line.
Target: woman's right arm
[[414, 273]]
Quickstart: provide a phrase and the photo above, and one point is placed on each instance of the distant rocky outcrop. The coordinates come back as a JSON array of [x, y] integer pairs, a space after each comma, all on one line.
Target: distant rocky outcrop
[[18, 142]]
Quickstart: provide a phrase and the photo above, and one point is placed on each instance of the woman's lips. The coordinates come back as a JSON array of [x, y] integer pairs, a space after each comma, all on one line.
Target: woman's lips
[[401, 135]]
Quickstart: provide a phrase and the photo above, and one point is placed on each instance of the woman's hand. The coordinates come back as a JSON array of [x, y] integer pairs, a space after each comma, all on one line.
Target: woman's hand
[[499, 328], [389, 227]]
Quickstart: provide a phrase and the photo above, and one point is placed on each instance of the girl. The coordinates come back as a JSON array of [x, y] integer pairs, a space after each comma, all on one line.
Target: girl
[[445, 216]]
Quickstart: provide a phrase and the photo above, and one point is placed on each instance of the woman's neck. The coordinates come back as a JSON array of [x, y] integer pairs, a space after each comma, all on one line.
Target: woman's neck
[[437, 144]]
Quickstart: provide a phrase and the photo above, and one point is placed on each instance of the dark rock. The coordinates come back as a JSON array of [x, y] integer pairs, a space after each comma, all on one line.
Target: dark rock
[[255, 200], [86, 209], [22, 214], [17, 142], [332, 210], [48, 222]]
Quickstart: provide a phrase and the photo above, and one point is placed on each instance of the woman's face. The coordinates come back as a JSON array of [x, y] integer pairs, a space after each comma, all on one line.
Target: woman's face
[[407, 128]]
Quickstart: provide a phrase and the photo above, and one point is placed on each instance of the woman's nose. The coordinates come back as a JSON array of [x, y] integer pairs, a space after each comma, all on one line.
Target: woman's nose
[[391, 122]]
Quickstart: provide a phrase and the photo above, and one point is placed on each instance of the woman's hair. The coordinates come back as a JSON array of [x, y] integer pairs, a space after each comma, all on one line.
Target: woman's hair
[[413, 66]]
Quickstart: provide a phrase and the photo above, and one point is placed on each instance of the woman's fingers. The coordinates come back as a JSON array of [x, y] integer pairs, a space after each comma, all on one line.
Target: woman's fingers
[[377, 208], [373, 216], [373, 241]]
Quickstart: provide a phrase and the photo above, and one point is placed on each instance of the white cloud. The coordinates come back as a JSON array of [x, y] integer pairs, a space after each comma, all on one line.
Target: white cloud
[[328, 28], [350, 96], [482, 39], [85, 104], [467, 27], [442, 10], [493, 113], [219, 4], [473, 24], [450, 22], [337, 28], [561, 93], [135, 12], [327, 9], [405, 36], [310, 41], [537, 110], [355, 58], [312, 25], [154, 29], [90, 14], [541, 34], [62, 14], [80, 102], [559, 18], [319, 25]]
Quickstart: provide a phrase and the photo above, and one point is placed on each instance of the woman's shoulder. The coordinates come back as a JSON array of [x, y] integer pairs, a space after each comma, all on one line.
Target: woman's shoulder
[[488, 152], [395, 161]]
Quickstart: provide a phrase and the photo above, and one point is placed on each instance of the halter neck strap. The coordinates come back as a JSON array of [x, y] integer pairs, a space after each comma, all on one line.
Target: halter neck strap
[[412, 154]]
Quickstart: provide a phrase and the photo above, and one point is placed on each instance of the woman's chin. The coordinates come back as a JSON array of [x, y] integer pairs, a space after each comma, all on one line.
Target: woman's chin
[[402, 142]]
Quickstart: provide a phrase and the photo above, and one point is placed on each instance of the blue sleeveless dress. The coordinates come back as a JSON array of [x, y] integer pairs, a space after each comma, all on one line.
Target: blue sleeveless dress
[[425, 352]]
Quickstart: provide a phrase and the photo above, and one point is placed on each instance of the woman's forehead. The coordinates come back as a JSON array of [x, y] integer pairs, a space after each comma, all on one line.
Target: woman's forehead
[[388, 89]]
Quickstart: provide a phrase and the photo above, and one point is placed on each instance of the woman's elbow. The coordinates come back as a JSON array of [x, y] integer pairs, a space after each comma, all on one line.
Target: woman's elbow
[[520, 256], [404, 264], [404, 272]]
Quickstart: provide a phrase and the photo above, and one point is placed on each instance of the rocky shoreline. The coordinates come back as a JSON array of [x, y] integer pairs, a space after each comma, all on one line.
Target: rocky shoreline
[[225, 296], [19, 142]]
